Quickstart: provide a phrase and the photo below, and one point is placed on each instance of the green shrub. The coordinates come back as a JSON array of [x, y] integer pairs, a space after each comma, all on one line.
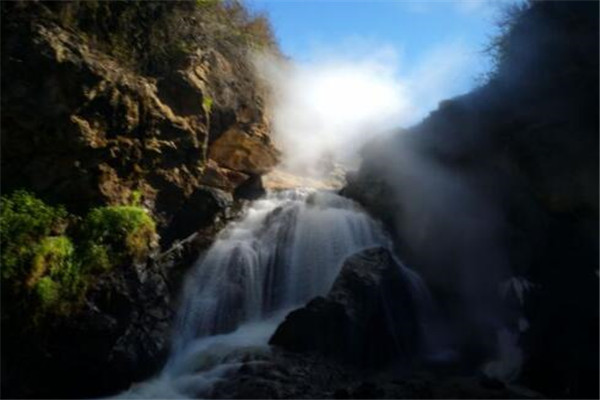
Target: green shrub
[[125, 232], [53, 256], [47, 292], [40, 273], [94, 257], [57, 278], [207, 103], [136, 197], [44, 274], [24, 222]]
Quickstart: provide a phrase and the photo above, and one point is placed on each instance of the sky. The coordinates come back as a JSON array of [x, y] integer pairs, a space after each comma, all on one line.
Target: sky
[[414, 35], [361, 69]]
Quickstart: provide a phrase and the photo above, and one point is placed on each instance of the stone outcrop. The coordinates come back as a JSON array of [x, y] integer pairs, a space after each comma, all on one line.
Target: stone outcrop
[[369, 318]]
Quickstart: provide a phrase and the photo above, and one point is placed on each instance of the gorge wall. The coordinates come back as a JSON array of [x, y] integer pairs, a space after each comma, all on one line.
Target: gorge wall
[[501, 186], [99, 109]]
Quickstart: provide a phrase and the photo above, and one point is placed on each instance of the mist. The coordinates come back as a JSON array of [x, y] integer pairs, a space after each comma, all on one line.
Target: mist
[[326, 109]]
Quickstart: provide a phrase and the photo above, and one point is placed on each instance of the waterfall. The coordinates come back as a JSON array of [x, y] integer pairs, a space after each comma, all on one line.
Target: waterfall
[[285, 249]]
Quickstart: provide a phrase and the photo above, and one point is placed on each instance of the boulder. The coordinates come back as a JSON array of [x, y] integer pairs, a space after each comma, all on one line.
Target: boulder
[[239, 151], [369, 318]]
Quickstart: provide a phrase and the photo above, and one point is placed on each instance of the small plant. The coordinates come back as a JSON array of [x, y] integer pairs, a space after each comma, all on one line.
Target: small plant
[[47, 293], [126, 232], [207, 103], [53, 256], [24, 222], [56, 278], [136, 197], [44, 274]]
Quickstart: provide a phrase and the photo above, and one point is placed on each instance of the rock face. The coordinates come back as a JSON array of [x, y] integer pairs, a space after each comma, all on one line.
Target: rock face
[[503, 182], [120, 336], [83, 129], [369, 318]]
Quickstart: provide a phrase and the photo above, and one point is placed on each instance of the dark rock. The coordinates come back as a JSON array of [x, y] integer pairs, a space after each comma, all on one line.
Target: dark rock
[[517, 159], [199, 210], [251, 189], [369, 318], [341, 394], [120, 336], [368, 390]]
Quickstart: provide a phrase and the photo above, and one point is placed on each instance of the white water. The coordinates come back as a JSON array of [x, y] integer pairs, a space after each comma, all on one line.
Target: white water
[[286, 249]]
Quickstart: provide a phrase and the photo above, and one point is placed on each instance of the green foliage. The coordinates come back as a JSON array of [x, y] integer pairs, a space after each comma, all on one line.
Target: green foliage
[[126, 232], [24, 222], [136, 197], [94, 257], [43, 273], [207, 103], [53, 256], [56, 277], [47, 292]]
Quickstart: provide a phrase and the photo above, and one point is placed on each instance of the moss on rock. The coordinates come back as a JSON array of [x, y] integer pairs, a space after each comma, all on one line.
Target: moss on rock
[[125, 232], [47, 274]]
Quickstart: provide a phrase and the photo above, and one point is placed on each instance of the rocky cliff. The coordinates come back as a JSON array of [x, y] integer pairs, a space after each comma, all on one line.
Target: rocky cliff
[[81, 129], [501, 186], [87, 122]]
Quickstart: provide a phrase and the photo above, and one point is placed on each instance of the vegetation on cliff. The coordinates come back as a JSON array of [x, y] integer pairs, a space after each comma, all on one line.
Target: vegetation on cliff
[[154, 37], [118, 112], [46, 268]]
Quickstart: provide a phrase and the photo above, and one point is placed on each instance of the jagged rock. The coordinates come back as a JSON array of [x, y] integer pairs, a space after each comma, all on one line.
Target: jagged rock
[[101, 131], [369, 317], [237, 150]]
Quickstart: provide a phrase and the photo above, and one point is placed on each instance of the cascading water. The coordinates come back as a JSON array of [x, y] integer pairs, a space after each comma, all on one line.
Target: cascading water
[[286, 249]]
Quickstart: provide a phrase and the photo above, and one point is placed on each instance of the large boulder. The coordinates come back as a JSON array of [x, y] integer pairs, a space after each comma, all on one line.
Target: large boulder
[[370, 317]]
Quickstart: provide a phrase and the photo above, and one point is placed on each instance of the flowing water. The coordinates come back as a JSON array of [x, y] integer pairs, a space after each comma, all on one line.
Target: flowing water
[[286, 249]]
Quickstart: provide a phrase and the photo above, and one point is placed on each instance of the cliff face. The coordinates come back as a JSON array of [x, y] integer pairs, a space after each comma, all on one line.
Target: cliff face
[[81, 127], [503, 182]]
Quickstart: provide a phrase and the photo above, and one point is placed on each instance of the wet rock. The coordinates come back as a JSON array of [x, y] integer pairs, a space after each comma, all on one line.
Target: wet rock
[[369, 318]]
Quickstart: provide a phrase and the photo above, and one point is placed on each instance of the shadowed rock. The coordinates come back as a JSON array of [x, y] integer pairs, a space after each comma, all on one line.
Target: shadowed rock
[[369, 318]]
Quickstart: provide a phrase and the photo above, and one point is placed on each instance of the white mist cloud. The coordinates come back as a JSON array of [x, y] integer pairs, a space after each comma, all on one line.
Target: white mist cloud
[[326, 109]]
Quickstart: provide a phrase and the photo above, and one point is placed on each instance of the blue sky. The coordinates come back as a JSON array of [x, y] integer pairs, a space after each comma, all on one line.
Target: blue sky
[[363, 68], [411, 32]]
